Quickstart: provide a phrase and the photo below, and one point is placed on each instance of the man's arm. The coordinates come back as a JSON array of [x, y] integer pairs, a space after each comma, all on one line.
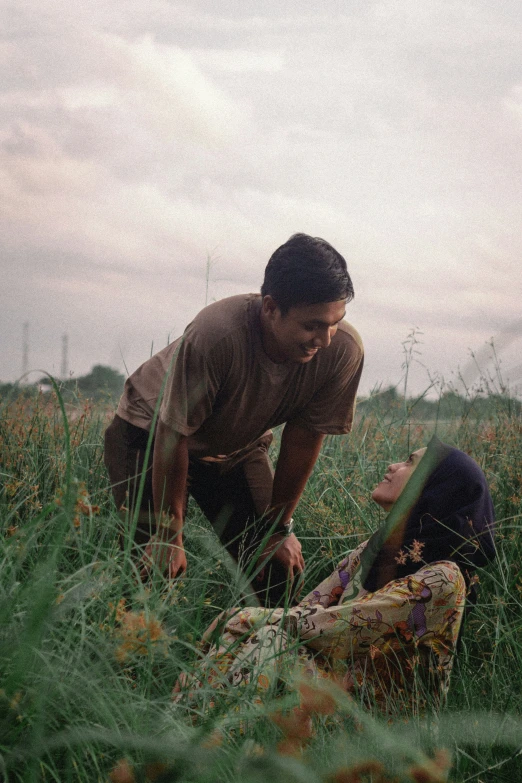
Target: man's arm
[[298, 454], [299, 450], [169, 487]]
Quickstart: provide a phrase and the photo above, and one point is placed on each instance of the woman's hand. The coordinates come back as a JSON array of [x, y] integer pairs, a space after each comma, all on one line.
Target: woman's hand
[[165, 551]]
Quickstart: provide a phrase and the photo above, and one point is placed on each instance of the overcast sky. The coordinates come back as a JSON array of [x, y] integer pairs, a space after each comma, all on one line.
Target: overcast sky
[[141, 138]]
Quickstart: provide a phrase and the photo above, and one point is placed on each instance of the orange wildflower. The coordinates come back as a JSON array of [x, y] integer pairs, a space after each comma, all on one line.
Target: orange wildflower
[[416, 551], [119, 609], [401, 557], [296, 727], [139, 634], [359, 772], [290, 747], [434, 770], [315, 700], [214, 739], [122, 773]]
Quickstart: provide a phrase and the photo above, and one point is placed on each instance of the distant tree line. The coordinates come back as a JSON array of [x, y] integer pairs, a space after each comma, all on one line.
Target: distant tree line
[[449, 405], [101, 382]]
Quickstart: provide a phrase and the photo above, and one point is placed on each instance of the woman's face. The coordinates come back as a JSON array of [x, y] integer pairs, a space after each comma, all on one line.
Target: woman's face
[[394, 481]]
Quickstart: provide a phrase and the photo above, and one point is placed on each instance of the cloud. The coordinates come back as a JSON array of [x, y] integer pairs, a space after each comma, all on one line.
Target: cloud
[[239, 60], [74, 174], [173, 92], [159, 86], [513, 103]]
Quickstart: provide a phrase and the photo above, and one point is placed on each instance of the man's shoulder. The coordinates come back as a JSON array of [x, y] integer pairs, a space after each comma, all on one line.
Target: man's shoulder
[[348, 336], [226, 318], [345, 354], [232, 306]]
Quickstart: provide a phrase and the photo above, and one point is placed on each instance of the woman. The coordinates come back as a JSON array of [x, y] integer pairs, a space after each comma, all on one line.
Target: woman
[[385, 624]]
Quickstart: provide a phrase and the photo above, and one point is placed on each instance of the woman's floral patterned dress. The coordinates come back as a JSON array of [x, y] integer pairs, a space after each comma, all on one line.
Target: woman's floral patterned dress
[[391, 648]]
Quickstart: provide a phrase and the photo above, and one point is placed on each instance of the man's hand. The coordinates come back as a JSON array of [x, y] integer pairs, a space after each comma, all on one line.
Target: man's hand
[[166, 553], [169, 486], [287, 550]]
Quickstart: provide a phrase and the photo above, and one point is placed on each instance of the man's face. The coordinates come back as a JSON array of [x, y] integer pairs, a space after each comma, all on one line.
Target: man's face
[[303, 331]]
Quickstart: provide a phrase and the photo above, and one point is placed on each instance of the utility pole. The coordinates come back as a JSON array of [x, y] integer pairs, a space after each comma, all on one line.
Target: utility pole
[[65, 357], [25, 349]]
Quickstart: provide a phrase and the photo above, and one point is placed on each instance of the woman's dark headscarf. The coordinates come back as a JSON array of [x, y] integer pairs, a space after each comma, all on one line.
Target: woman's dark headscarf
[[452, 518]]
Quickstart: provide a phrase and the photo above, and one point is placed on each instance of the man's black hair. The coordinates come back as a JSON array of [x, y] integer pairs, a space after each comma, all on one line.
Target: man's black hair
[[306, 270]]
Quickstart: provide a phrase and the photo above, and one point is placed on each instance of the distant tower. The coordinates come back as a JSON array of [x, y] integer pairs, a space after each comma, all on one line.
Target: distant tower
[[25, 349], [65, 357]]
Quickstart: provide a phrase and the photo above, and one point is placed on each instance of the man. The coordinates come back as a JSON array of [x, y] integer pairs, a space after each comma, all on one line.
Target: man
[[244, 365]]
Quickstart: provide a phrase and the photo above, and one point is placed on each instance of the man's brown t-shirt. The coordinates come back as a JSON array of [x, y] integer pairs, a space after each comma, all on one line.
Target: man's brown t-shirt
[[223, 392]]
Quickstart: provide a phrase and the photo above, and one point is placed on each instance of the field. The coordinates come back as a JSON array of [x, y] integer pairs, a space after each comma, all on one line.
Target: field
[[89, 655]]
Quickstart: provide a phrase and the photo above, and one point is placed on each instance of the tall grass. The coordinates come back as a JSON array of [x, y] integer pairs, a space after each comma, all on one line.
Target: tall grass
[[89, 654]]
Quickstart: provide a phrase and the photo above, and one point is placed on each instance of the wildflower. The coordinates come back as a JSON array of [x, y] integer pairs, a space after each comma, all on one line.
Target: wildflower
[[403, 631], [139, 635], [442, 759], [296, 728], [12, 487], [253, 749], [83, 504], [289, 747], [214, 740], [473, 581], [315, 700], [15, 701], [416, 551], [432, 771], [358, 772], [122, 773], [413, 662], [119, 610], [401, 557]]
